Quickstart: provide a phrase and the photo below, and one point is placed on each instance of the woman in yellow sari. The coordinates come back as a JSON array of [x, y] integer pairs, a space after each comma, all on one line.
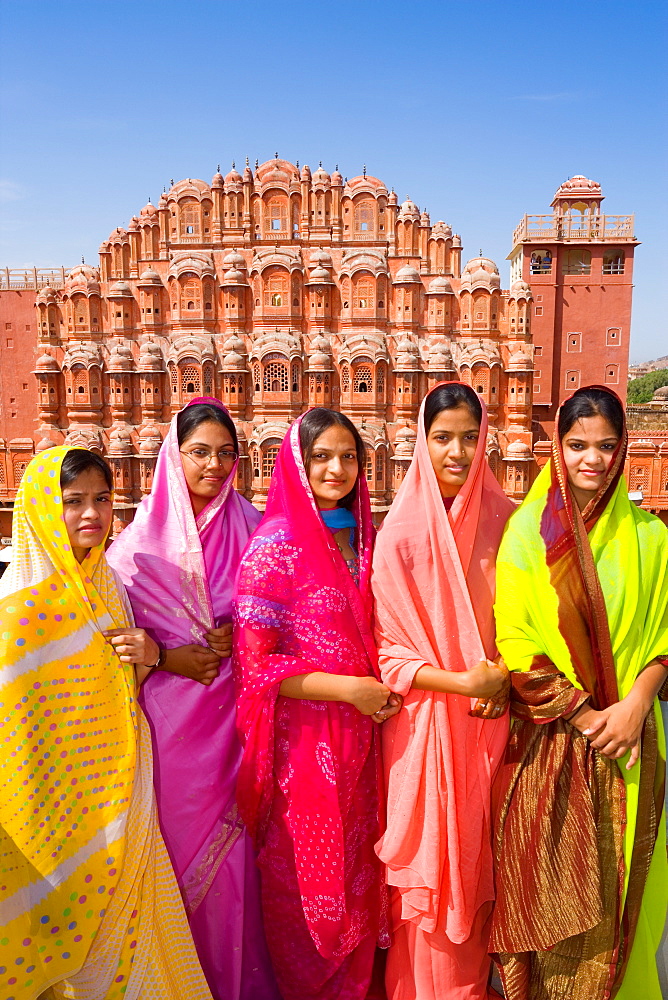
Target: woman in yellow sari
[[89, 907], [582, 620]]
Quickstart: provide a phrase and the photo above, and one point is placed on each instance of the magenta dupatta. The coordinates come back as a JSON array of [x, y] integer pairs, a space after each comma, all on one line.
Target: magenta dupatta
[[297, 611], [179, 573]]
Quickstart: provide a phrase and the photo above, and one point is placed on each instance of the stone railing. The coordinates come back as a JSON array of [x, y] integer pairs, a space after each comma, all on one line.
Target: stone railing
[[32, 278], [575, 227]]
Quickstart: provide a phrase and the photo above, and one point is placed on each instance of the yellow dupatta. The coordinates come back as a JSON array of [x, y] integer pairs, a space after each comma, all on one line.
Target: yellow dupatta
[[88, 903]]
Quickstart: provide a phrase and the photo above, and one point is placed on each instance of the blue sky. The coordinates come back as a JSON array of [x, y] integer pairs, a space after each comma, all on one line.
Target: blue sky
[[477, 110]]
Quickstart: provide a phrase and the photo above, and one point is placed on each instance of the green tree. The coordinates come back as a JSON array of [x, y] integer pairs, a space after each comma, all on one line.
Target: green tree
[[641, 390]]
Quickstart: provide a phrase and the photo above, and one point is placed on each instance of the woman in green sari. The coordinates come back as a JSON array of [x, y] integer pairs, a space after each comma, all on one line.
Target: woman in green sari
[[582, 620]]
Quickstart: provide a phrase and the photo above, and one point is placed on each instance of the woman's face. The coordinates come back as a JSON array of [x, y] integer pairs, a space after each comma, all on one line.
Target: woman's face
[[452, 441], [87, 511], [588, 448], [333, 470], [207, 457]]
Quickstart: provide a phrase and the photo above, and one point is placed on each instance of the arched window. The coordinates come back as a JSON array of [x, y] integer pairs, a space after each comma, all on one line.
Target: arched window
[[380, 380], [380, 469], [275, 377], [276, 216], [362, 381], [577, 261], [345, 377], [190, 223], [276, 291], [364, 293], [208, 380], [365, 216], [541, 262], [191, 380], [270, 450], [80, 380], [191, 295]]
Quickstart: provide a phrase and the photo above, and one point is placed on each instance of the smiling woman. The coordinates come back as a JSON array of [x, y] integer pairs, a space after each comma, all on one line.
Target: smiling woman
[[56, 600], [582, 620]]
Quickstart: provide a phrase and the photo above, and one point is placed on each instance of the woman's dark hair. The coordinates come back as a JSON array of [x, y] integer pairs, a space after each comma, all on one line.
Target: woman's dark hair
[[81, 460], [449, 397], [316, 422], [188, 420], [591, 402]]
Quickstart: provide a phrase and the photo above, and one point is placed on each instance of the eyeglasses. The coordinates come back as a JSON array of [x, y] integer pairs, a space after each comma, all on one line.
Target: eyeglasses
[[203, 458]]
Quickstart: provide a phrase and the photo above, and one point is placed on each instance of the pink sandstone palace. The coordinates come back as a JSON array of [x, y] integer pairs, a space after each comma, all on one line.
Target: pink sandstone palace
[[279, 289]]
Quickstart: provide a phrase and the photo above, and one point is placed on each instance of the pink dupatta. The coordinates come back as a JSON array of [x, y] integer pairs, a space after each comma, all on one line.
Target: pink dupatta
[[179, 574], [433, 583], [297, 611]]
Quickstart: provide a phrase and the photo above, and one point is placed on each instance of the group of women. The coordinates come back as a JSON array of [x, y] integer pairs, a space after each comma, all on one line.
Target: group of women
[[243, 757]]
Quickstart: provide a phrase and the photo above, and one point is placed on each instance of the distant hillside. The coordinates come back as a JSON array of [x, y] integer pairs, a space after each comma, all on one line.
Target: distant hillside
[[641, 390]]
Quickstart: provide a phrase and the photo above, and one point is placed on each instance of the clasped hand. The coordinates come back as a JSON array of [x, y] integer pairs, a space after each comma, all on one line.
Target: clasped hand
[[614, 730]]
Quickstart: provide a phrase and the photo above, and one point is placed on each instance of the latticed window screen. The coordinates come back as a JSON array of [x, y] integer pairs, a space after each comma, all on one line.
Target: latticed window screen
[[192, 295], [380, 468], [256, 376], [364, 217], [173, 377], [362, 379], [2, 475], [80, 381], [296, 379], [270, 451], [276, 292], [364, 294], [276, 377], [277, 215], [345, 378], [208, 380], [190, 220], [380, 379], [481, 379], [19, 469], [368, 469], [191, 380]]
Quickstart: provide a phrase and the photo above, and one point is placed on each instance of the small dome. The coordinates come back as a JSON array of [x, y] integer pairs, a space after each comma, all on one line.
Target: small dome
[[83, 278], [424, 218], [148, 209], [149, 277], [520, 362], [409, 210], [234, 177], [120, 358], [217, 182], [441, 228], [440, 286], [150, 357], [404, 443], [320, 276], [46, 363], [233, 277], [321, 176], [133, 225], [120, 441], [520, 290], [234, 259], [306, 173], [337, 179], [392, 198], [519, 451], [232, 361], [120, 290], [150, 440], [47, 296], [234, 343], [320, 257], [578, 185], [661, 395], [406, 274]]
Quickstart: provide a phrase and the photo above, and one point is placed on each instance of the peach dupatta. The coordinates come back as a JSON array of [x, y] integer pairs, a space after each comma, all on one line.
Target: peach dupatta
[[433, 583]]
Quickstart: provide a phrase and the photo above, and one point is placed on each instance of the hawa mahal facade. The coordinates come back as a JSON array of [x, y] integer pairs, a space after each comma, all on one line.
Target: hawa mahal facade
[[280, 289]]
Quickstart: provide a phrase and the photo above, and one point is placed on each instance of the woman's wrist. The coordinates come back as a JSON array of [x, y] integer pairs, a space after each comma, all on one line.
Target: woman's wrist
[[160, 658]]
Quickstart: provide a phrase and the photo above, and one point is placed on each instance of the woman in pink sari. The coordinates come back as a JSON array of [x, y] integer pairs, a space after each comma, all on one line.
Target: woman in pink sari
[[433, 583], [178, 560], [308, 702]]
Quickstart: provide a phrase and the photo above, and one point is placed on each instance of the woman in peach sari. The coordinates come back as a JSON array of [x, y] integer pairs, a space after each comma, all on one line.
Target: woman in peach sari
[[433, 583]]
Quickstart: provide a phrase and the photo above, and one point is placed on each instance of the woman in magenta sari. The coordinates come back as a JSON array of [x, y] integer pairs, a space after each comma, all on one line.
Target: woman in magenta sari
[[308, 702], [178, 560]]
